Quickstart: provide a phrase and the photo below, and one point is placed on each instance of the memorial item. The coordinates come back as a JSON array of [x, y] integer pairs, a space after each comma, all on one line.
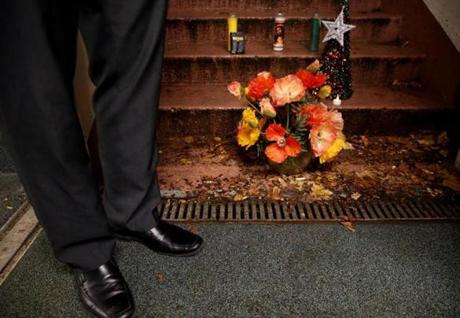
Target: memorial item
[[232, 26], [335, 59], [286, 122], [237, 43], [314, 33], [278, 32]]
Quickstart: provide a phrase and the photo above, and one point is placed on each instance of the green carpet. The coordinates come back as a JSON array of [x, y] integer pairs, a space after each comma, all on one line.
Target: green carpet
[[410, 270]]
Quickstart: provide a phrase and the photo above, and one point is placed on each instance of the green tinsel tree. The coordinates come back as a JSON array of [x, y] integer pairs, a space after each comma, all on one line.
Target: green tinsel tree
[[336, 63]]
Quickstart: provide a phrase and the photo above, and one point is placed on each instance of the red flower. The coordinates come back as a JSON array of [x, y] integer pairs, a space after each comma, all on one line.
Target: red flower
[[310, 80], [316, 114], [283, 147], [260, 85]]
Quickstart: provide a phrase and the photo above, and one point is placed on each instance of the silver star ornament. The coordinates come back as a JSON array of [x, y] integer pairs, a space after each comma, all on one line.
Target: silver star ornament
[[336, 29]]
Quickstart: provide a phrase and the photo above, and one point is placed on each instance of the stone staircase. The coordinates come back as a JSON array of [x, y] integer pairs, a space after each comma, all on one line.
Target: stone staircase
[[387, 74]]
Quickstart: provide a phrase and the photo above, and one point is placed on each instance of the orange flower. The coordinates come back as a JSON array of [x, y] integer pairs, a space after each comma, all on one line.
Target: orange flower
[[334, 118], [287, 90], [318, 115], [315, 114], [260, 85], [321, 138], [310, 80], [283, 147]]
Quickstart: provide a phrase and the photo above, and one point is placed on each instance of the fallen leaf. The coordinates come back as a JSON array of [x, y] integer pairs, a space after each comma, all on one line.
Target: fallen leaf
[[434, 192], [426, 141], [192, 228], [276, 193], [318, 192], [451, 182], [239, 197], [253, 190], [160, 277], [282, 182], [444, 153], [356, 196], [189, 139], [443, 139], [365, 141], [348, 146], [185, 161], [218, 139], [348, 225]]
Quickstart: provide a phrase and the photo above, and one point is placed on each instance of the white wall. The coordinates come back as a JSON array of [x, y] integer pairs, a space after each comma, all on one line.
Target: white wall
[[447, 12]]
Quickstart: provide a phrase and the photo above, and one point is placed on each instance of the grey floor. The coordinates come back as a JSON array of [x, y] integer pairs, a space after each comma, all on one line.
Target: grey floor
[[410, 270]]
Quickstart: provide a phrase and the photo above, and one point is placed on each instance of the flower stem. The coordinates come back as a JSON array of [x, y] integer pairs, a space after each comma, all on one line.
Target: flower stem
[[253, 106], [288, 115]]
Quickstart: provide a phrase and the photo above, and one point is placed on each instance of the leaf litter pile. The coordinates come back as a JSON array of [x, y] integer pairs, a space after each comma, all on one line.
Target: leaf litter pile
[[379, 167]]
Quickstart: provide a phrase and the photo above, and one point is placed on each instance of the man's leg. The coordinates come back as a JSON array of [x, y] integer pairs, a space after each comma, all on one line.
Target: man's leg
[[125, 43], [41, 128]]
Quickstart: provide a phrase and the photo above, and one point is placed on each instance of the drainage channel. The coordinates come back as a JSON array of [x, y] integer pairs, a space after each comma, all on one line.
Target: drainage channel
[[259, 211]]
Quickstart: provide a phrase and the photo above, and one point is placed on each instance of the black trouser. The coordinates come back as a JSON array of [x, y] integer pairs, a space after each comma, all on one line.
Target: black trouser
[[125, 41]]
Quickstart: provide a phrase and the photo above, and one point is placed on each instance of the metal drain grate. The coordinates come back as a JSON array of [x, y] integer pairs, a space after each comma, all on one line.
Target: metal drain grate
[[259, 211]]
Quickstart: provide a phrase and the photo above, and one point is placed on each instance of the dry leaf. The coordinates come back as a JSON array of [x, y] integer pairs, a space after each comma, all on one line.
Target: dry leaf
[[282, 182], [348, 146], [239, 197], [443, 139], [276, 193], [218, 139], [451, 182], [160, 277], [318, 192], [365, 141], [349, 226], [434, 192], [185, 161], [192, 228], [426, 141], [189, 139], [356, 196], [253, 190]]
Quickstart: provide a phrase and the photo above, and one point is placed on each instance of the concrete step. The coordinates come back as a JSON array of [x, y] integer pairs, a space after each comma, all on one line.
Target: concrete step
[[210, 110], [211, 63], [191, 26], [387, 167], [276, 5]]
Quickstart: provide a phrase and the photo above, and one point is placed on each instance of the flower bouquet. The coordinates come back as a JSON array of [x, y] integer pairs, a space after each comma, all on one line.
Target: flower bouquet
[[286, 120]]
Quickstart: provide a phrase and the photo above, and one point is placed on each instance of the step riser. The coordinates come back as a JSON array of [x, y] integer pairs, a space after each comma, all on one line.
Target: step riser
[[223, 123], [179, 31], [315, 5], [224, 70]]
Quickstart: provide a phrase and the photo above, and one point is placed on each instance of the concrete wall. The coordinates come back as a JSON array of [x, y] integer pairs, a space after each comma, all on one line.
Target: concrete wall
[[447, 12]]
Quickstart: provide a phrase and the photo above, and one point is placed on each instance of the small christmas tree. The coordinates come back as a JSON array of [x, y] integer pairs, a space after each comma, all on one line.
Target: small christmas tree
[[335, 59]]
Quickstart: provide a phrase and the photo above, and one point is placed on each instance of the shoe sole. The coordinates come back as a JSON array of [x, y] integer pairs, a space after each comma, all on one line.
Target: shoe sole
[[132, 238]]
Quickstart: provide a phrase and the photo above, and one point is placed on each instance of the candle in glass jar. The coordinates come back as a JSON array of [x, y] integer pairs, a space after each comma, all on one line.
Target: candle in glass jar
[[232, 23], [278, 32]]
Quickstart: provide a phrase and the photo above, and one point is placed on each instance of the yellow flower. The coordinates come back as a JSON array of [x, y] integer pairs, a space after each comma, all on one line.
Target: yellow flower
[[248, 128], [324, 91], [334, 149], [247, 136], [249, 117]]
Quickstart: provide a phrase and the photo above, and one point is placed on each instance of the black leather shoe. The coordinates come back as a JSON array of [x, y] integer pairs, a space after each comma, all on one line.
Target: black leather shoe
[[104, 292], [165, 238]]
